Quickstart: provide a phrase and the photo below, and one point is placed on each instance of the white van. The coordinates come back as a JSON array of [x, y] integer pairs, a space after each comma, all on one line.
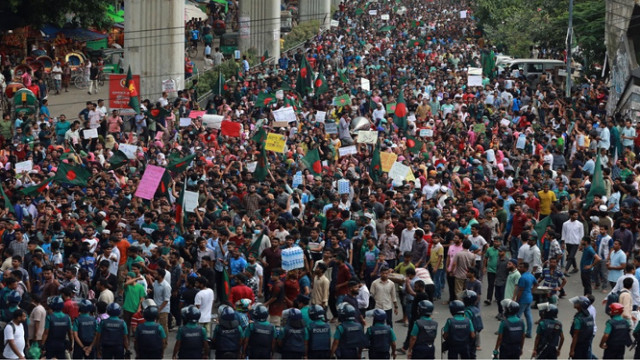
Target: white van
[[533, 68]]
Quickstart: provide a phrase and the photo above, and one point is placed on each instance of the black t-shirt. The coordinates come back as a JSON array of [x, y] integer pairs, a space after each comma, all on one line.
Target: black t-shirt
[[189, 296], [209, 274]]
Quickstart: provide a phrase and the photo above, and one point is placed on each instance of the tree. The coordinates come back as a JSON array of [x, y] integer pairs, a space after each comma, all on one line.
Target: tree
[[39, 12]]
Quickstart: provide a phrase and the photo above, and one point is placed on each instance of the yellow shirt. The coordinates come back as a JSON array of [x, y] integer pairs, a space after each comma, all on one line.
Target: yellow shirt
[[546, 199], [402, 268], [437, 251]]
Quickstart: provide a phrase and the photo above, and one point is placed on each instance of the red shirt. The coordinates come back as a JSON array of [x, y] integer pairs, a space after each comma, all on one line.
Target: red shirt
[[533, 203], [241, 292], [518, 223], [344, 275], [71, 308], [277, 292], [291, 290]]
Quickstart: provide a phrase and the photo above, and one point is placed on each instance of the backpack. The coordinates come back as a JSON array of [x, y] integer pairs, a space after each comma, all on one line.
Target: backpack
[[25, 302], [613, 298], [13, 326], [474, 314]]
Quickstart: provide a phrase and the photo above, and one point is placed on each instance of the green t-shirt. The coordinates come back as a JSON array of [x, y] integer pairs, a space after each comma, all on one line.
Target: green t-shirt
[[191, 325], [130, 261], [492, 259], [415, 329], [132, 295], [305, 315]]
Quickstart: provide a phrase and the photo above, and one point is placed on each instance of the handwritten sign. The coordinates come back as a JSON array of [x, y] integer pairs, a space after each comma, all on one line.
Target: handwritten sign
[[251, 167], [344, 186], [426, 132], [387, 160], [373, 12], [474, 80], [321, 116], [384, 17], [505, 122], [285, 114], [347, 150], [24, 166], [335, 23], [398, 171], [90, 134], [212, 121], [279, 124], [365, 84], [129, 150], [331, 128], [190, 201], [185, 122], [275, 142], [367, 137], [149, 182], [463, 14]]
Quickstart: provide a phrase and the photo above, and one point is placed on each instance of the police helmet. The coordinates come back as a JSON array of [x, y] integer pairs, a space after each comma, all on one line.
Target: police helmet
[[191, 313], [316, 312], [85, 306], [259, 313], [582, 303], [294, 314], [551, 312], [150, 313], [346, 313], [469, 297], [56, 303], [227, 313], [114, 309], [243, 305], [615, 309], [510, 307], [14, 298], [425, 308], [456, 307], [379, 316]]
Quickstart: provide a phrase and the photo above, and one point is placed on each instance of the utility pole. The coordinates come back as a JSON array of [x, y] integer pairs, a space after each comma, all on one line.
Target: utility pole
[[569, 45]]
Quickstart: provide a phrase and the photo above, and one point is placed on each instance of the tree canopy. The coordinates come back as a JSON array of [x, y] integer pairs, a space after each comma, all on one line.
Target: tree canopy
[[39, 12]]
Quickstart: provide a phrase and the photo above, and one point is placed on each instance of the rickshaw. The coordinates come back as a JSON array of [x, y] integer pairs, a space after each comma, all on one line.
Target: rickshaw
[[76, 60], [47, 62], [25, 101], [110, 59], [12, 88], [229, 44]]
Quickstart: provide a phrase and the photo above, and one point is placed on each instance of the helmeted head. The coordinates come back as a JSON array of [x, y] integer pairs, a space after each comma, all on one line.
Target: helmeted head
[[259, 313], [227, 317], [191, 314], [379, 316], [425, 308], [347, 313], [56, 303], [14, 298], [114, 309], [551, 312], [469, 297], [615, 309], [243, 305], [294, 318], [510, 307], [150, 313], [582, 304], [316, 312], [85, 306], [456, 307]]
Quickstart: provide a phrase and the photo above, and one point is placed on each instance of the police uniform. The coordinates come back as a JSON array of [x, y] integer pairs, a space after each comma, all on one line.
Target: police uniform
[[319, 345], [425, 330], [293, 342], [549, 331], [511, 329], [85, 326], [349, 334], [192, 337], [584, 323], [58, 325], [112, 331], [149, 340], [260, 335], [473, 313], [618, 330], [227, 340], [459, 329], [380, 337]]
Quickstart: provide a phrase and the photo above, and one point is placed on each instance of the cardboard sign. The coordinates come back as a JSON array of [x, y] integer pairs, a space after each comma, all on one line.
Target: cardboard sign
[[505, 122], [365, 84], [373, 12], [149, 182], [344, 186], [331, 128], [251, 167], [119, 94], [387, 160], [285, 114], [426, 132], [190, 201], [212, 121], [275, 142], [398, 171], [185, 122], [463, 14], [321, 116], [279, 124], [129, 150], [24, 166], [335, 23], [90, 133], [367, 137], [384, 17], [474, 80], [347, 150]]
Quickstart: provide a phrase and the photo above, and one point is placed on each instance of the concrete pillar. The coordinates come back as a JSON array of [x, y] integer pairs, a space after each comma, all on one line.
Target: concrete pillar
[[315, 10], [154, 43], [259, 23], [335, 3]]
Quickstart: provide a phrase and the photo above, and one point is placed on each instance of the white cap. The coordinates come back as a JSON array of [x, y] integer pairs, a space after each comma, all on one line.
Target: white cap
[[444, 188], [603, 208]]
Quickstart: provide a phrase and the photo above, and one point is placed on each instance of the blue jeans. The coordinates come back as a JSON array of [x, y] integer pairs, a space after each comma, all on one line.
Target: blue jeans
[[515, 246], [438, 280], [339, 299], [526, 309]]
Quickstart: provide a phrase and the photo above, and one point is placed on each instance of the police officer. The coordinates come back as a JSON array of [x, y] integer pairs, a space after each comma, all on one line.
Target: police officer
[[260, 336], [150, 338], [227, 335], [348, 338], [13, 301], [57, 327], [423, 333], [381, 337], [616, 334], [470, 299], [113, 335], [191, 339], [549, 336], [581, 329], [293, 339], [511, 332], [84, 331], [458, 332], [319, 344]]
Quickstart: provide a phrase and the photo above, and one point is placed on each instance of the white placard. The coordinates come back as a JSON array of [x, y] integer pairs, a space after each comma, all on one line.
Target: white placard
[[344, 186], [280, 95], [331, 128], [398, 171], [321, 116], [463, 14], [505, 122], [212, 121], [285, 114], [185, 122], [522, 141], [474, 80], [365, 84], [190, 201], [24, 166], [335, 23], [129, 150], [426, 132], [491, 155], [384, 17], [411, 118], [297, 180], [373, 12], [367, 137], [251, 167], [90, 133], [169, 86], [347, 150]]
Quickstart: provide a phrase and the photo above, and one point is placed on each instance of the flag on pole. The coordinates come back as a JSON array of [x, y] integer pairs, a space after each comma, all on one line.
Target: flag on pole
[[597, 184], [262, 168], [220, 87], [320, 85], [400, 113], [37, 189], [69, 174], [7, 201], [134, 102], [180, 165], [163, 187], [180, 203], [375, 172], [265, 56], [541, 229], [260, 136], [304, 82], [312, 162]]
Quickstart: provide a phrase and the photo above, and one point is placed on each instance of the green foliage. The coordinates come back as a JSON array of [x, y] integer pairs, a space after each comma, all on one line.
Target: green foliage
[[40, 12], [301, 33], [207, 80]]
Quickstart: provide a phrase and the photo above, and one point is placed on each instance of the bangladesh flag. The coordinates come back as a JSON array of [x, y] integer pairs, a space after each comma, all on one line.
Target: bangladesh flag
[[400, 113], [265, 56], [118, 159], [320, 85], [69, 174], [386, 28], [597, 184], [413, 144], [289, 102], [343, 100], [260, 136], [391, 108], [226, 292], [342, 74], [375, 171], [230, 128], [37, 189], [262, 168], [180, 203], [417, 23], [7, 202], [163, 187], [220, 87], [359, 11], [180, 165], [312, 162], [158, 113], [266, 99], [415, 43], [134, 102], [304, 83]]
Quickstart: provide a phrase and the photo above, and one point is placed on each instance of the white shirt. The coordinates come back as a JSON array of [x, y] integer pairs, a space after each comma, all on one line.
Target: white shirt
[[406, 240], [635, 293], [18, 339], [57, 72], [592, 312], [363, 297], [204, 301], [94, 118], [572, 232], [480, 242]]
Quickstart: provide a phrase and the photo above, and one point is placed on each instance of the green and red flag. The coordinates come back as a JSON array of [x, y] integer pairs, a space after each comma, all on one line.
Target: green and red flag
[[400, 113], [312, 162], [343, 100], [415, 43], [304, 83], [163, 187], [118, 159], [266, 99], [265, 56], [220, 87], [180, 203], [375, 171], [342, 74], [37, 189], [262, 168], [289, 102], [391, 108], [417, 23], [226, 291], [260, 136], [69, 174], [320, 85], [414, 144], [7, 201], [158, 113], [134, 101], [181, 164]]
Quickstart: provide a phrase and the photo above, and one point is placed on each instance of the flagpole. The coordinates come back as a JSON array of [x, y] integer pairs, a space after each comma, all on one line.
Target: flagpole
[[219, 82]]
